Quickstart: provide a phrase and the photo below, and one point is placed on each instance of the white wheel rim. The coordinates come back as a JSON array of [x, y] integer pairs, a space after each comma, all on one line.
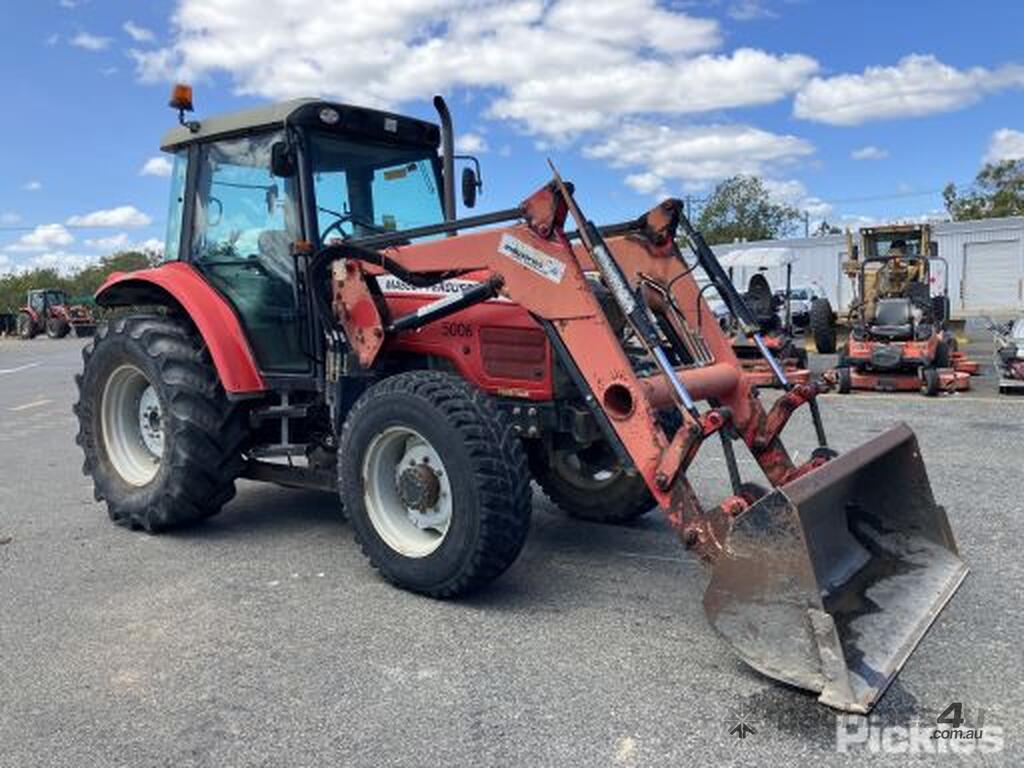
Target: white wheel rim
[[131, 417], [409, 530]]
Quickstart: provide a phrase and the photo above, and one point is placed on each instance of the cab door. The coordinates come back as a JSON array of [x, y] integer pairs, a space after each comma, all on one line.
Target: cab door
[[245, 223]]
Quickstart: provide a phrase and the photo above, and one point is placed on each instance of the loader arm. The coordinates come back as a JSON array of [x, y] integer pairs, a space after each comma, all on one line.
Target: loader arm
[[829, 580], [540, 269]]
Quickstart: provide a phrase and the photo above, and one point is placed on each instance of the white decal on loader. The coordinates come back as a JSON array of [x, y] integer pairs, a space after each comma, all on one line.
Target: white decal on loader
[[533, 259]]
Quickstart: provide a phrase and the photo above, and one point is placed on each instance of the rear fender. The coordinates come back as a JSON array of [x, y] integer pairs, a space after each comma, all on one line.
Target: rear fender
[[178, 284]]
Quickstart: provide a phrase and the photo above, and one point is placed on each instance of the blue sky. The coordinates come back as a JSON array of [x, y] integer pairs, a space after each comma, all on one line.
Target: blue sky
[[853, 111]]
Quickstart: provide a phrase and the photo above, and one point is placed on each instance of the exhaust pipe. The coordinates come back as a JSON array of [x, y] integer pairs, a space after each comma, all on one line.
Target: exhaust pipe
[[829, 582], [448, 148]]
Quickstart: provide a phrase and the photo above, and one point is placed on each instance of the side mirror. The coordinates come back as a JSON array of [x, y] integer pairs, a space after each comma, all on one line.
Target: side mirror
[[933, 249], [282, 160], [470, 184]]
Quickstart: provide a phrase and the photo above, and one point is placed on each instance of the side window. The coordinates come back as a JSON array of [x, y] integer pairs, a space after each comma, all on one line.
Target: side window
[[244, 215], [176, 206]]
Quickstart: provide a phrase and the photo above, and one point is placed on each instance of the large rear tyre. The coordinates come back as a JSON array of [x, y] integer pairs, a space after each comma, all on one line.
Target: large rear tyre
[[435, 483], [57, 327], [591, 484], [26, 328], [162, 442], [823, 327]]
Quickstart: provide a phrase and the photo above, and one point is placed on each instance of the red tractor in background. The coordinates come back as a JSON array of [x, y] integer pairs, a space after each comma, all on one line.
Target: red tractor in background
[[323, 320], [47, 310]]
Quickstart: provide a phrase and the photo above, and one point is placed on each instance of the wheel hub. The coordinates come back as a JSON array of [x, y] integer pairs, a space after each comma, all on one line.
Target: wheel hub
[[408, 494], [131, 419], [419, 488]]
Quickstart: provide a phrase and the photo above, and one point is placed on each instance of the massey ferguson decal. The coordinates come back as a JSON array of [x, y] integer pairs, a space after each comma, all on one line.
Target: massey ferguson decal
[[533, 259]]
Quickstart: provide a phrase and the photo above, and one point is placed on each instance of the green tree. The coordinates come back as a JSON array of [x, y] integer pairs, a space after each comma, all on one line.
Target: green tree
[[84, 282], [740, 208], [998, 190]]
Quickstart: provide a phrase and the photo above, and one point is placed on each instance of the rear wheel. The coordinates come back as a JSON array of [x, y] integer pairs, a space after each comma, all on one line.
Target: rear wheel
[[844, 380], [434, 482], [823, 327], [930, 382], [162, 442], [57, 327], [26, 328]]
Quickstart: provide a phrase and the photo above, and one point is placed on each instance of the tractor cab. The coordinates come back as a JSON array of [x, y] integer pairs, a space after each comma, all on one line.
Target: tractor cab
[[41, 300], [254, 192]]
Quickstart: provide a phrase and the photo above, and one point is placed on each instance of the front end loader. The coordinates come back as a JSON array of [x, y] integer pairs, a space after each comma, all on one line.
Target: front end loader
[[328, 322]]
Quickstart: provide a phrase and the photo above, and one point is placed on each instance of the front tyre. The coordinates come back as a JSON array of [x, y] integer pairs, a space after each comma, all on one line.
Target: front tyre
[[434, 482], [57, 327], [161, 440]]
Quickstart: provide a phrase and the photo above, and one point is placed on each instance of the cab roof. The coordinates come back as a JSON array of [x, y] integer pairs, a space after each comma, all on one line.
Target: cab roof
[[361, 121]]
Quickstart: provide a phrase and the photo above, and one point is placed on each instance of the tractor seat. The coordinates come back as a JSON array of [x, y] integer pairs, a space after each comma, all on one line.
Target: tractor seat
[[893, 320]]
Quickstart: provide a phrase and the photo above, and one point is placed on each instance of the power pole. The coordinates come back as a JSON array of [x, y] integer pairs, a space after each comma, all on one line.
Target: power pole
[[807, 224]]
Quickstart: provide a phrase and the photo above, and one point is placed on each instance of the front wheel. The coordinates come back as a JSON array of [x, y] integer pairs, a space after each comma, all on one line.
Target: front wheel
[[434, 482], [57, 327], [162, 442], [591, 484]]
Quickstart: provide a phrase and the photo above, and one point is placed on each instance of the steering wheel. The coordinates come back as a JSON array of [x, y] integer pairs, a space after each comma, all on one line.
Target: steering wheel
[[346, 218]]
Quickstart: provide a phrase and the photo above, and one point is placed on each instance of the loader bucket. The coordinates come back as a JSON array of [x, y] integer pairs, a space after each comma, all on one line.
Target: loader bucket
[[829, 582]]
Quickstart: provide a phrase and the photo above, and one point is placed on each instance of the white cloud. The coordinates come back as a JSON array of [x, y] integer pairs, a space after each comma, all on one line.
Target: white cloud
[[793, 192], [43, 237], [65, 263], [116, 242], [90, 42], [869, 153], [1005, 144], [32, 186], [691, 154], [6, 266], [470, 144], [156, 166], [557, 68], [749, 10], [9, 218], [122, 216], [916, 85], [137, 33]]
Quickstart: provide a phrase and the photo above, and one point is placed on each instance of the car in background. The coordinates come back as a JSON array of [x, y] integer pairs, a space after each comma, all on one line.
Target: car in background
[[800, 298]]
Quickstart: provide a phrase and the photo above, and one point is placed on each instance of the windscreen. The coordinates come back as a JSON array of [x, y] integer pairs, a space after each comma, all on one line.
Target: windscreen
[[367, 188]]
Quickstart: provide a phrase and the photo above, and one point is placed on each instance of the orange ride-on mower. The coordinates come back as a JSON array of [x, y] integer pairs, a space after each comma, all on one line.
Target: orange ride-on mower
[[899, 343], [776, 331], [314, 326]]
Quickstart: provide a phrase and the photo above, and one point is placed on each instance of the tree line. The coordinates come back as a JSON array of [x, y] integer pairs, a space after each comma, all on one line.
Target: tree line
[[741, 207], [82, 283]]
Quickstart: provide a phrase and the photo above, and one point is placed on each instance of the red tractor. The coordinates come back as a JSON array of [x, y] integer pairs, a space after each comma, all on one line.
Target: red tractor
[[47, 310], [324, 320]]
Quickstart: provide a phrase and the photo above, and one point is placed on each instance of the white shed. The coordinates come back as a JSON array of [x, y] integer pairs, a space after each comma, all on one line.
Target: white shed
[[985, 260]]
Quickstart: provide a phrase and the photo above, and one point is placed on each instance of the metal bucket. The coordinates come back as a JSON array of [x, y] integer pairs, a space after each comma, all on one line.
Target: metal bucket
[[830, 582]]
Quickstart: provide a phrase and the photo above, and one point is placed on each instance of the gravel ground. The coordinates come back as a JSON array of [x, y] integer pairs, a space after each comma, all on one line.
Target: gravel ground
[[262, 638]]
